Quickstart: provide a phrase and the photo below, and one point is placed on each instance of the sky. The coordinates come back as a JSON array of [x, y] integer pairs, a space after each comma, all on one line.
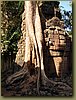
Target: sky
[[65, 4]]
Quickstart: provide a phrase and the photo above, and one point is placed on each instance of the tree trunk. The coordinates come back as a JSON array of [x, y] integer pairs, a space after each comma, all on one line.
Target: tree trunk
[[35, 33]]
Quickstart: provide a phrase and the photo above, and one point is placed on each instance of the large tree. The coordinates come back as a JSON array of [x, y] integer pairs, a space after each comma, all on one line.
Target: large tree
[[33, 47]]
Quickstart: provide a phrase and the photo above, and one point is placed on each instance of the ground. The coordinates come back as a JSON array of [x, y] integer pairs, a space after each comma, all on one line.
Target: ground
[[28, 87]]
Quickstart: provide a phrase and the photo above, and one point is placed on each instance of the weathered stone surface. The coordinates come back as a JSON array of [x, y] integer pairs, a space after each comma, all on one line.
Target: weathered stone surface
[[59, 44], [55, 21], [56, 53], [58, 66], [21, 44], [62, 37]]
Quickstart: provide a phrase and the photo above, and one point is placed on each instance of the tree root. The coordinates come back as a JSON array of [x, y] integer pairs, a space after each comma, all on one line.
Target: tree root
[[38, 82], [62, 85], [17, 76], [23, 77]]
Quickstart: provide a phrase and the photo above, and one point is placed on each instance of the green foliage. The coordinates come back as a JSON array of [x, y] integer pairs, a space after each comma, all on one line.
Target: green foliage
[[11, 18], [67, 18]]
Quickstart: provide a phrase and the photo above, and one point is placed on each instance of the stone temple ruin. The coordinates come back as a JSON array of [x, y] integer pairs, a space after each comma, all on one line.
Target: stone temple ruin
[[57, 48], [59, 44]]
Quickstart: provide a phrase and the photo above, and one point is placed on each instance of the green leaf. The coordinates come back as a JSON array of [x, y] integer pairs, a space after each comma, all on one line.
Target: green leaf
[[15, 33], [6, 42]]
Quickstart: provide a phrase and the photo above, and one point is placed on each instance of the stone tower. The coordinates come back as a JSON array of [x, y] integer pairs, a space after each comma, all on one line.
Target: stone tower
[[58, 44]]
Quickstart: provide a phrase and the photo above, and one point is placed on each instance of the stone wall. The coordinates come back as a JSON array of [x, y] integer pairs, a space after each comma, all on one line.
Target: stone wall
[[21, 44]]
